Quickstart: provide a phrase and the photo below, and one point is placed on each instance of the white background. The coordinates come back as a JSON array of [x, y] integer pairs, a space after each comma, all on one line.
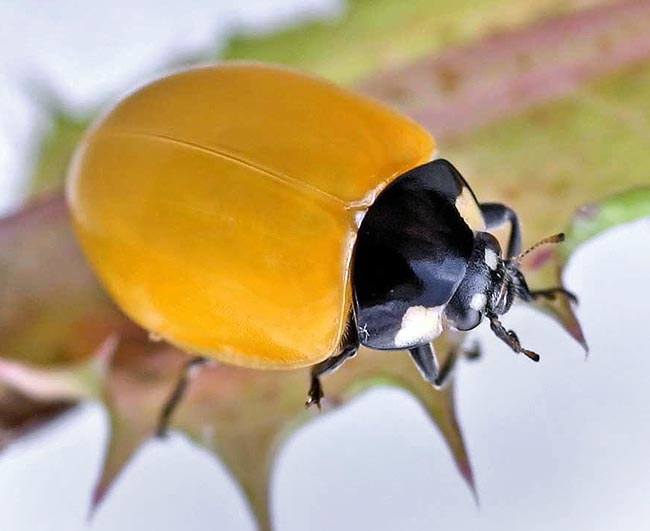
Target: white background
[[89, 53], [563, 444]]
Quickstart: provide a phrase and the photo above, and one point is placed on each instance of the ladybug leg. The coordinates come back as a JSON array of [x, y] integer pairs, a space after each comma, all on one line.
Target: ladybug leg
[[424, 357], [348, 348], [496, 215], [188, 372], [426, 361], [551, 293], [315, 394], [510, 338]]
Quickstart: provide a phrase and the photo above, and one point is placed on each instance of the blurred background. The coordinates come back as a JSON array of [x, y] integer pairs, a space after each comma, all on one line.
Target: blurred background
[[543, 104]]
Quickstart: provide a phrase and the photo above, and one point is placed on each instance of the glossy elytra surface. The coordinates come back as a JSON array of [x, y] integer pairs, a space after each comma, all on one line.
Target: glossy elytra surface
[[219, 207]]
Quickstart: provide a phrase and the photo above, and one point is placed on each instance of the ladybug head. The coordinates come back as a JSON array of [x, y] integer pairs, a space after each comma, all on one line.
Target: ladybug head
[[490, 286], [508, 283]]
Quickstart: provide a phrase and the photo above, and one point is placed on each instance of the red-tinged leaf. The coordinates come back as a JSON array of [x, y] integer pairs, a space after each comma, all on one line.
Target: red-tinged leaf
[[244, 415], [31, 395], [20, 414], [52, 310], [465, 88], [77, 381], [141, 377], [143, 372], [542, 162]]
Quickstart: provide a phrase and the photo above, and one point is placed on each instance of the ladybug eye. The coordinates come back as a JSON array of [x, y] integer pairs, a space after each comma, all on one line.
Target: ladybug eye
[[468, 320]]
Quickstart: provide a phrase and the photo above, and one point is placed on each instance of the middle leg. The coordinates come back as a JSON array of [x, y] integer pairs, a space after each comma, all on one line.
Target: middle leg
[[424, 357], [495, 215], [348, 348]]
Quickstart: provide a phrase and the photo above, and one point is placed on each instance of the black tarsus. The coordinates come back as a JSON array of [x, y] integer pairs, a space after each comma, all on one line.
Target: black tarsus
[[347, 349], [187, 373], [510, 338], [550, 294]]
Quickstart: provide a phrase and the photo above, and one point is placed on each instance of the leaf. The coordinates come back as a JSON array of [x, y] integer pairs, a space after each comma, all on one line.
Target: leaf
[[68, 383], [594, 218], [470, 97], [465, 88], [375, 35], [543, 161], [20, 414], [142, 372], [30, 395], [244, 415], [588, 222], [370, 36], [56, 146], [52, 310]]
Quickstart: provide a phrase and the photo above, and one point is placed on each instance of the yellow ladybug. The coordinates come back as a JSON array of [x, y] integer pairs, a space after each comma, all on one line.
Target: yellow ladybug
[[265, 218]]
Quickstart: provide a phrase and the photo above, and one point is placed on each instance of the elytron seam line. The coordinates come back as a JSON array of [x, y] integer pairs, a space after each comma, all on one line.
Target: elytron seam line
[[224, 154]]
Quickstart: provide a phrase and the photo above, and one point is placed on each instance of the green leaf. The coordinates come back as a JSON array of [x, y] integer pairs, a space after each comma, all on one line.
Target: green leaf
[[594, 218], [56, 148], [373, 35]]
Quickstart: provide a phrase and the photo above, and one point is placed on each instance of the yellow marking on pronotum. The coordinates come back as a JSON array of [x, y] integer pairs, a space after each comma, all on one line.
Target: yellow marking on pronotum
[[467, 205]]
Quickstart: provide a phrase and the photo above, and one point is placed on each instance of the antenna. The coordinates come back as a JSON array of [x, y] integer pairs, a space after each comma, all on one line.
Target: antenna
[[556, 238]]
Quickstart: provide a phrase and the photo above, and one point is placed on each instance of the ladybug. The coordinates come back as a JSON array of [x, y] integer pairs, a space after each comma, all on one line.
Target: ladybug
[[265, 218]]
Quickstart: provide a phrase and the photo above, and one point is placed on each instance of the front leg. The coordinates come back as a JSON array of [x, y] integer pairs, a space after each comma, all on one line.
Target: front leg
[[510, 338]]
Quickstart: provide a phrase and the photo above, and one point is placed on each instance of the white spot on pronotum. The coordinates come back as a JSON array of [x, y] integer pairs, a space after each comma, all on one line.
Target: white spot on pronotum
[[419, 325], [478, 302], [491, 258]]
